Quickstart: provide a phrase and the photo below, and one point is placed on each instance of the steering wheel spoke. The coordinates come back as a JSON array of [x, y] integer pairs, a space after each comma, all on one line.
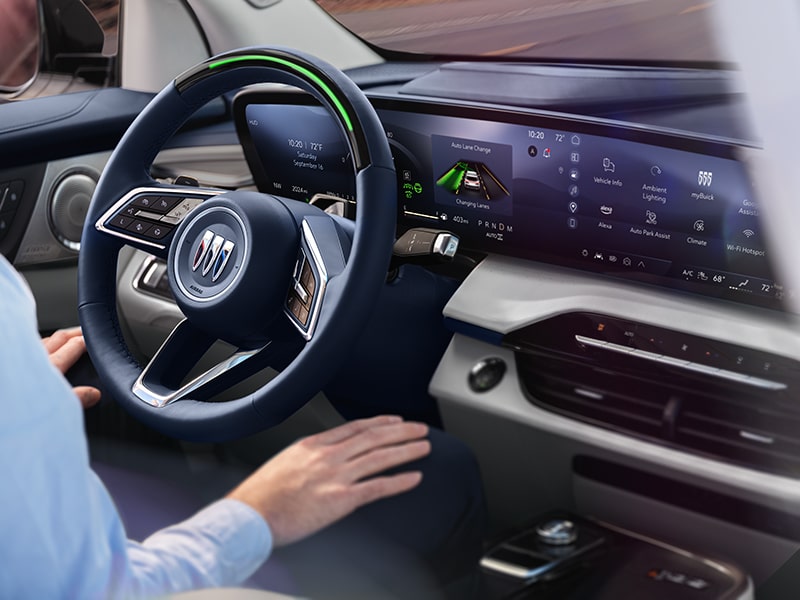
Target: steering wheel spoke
[[147, 216], [164, 380]]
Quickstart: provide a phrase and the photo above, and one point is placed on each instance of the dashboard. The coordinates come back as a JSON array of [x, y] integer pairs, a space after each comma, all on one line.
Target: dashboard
[[648, 205]]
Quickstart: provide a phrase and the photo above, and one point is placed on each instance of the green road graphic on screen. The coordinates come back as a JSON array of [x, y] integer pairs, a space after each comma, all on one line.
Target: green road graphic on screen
[[472, 178]]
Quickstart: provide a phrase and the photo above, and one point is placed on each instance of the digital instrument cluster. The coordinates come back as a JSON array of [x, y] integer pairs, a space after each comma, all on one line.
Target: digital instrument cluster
[[663, 209]]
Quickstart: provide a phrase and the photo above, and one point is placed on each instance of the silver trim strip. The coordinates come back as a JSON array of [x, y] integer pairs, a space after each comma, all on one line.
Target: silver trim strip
[[145, 272], [758, 382], [162, 191], [148, 396], [300, 291], [588, 394], [755, 437], [530, 575], [501, 566]]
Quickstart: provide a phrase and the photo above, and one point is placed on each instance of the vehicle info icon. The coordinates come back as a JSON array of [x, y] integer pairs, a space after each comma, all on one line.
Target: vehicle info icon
[[608, 165]]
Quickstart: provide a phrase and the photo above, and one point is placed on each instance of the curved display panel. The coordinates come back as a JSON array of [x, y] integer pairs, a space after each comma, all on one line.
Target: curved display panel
[[652, 206]]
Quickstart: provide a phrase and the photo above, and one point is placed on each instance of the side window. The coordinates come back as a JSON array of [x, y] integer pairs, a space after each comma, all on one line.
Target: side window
[[19, 44], [56, 46], [107, 14]]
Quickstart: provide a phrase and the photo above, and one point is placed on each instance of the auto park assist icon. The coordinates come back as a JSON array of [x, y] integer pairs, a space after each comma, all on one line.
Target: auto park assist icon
[[212, 254]]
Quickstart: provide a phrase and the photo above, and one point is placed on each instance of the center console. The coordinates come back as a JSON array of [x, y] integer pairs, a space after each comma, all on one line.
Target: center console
[[564, 557]]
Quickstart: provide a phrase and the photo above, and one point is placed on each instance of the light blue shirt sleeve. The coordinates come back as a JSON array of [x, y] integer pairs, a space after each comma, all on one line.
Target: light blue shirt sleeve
[[62, 535]]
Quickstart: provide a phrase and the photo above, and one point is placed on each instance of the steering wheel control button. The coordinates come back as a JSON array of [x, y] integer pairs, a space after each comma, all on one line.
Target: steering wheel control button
[[164, 204], [139, 227], [146, 202], [177, 214], [302, 294], [143, 214], [307, 279], [557, 532], [299, 266], [121, 221], [486, 374], [158, 232], [300, 298], [296, 307]]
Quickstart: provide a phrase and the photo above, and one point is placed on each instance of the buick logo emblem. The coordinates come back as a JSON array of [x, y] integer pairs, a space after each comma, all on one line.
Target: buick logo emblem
[[212, 255]]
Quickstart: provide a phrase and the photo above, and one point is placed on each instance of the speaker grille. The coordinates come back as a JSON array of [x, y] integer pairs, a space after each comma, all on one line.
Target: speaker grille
[[69, 204]]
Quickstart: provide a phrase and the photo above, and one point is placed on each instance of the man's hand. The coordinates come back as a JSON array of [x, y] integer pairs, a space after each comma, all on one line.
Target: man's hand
[[65, 347], [322, 478]]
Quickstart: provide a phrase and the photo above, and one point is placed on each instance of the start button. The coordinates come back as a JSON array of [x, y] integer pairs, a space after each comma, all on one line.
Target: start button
[[486, 374]]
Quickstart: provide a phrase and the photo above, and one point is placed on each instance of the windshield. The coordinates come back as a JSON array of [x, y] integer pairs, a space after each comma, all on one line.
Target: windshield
[[632, 31]]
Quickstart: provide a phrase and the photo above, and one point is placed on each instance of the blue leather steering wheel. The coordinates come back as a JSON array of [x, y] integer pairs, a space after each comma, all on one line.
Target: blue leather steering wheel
[[285, 283]]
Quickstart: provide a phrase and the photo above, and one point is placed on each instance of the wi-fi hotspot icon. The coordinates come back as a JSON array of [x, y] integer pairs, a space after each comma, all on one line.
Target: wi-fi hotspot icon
[[748, 233]]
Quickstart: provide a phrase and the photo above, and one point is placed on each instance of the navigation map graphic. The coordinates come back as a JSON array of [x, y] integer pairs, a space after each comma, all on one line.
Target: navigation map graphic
[[473, 178]]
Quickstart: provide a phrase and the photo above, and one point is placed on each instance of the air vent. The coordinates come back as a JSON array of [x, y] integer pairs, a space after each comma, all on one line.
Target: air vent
[[731, 415], [755, 435]]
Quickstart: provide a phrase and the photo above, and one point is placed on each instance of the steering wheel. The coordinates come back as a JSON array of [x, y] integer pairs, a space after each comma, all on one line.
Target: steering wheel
[[282, 281]]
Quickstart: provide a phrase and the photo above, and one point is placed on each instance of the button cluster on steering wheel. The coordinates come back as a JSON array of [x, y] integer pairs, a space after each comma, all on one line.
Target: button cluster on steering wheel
[[150, 216]]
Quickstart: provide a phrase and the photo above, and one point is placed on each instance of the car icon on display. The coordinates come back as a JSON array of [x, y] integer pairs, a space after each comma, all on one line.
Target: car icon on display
[[472, 181]]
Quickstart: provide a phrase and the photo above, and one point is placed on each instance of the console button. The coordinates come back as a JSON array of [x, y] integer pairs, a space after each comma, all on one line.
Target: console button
[[486, 374], [557, 532]]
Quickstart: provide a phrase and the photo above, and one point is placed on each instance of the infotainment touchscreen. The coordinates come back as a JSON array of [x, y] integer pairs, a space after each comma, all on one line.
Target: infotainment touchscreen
[[655, 207]]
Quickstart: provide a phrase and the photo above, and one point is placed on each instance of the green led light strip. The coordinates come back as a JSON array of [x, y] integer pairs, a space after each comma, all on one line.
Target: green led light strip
[[302, 70]]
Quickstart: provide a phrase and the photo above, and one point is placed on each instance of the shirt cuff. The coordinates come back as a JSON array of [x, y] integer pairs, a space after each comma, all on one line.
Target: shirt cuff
[[220, 546], [246, 535]]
